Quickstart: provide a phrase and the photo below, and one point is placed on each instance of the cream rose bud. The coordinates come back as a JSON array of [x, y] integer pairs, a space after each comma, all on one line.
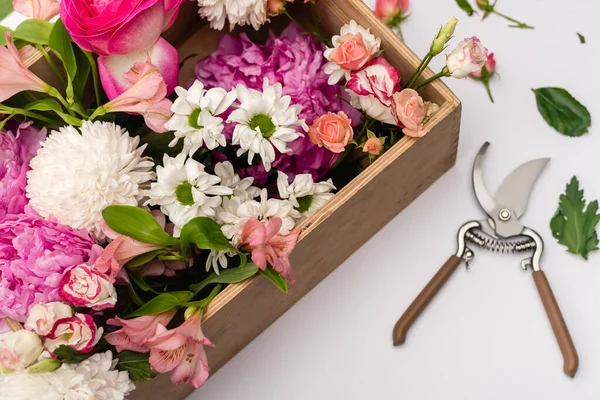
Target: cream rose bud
[[20, 349], [84, 286], [78, 331], [468, 56], [42, 317]]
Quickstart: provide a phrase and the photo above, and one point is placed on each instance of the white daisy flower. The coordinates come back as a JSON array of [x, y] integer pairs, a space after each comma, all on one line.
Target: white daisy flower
[[75, 175], [214, 11], [184, 191], [195, 117], [335, 71], [246, 12], [304, 193], [266, 121], [242, 188]]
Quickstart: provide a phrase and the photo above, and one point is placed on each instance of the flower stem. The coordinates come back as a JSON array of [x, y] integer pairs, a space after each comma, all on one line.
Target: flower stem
[[486, 83], [317, 34], [518, 24], [439, 75], [317, 23], [424, 63], [94, 67], [37, 116], [56, 94], [51, 64]]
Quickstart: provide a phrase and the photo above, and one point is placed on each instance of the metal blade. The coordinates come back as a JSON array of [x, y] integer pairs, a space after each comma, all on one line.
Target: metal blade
[[486, 201], [516, 187]]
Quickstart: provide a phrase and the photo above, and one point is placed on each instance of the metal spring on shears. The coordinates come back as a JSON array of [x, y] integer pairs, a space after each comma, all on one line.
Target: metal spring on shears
[[500, 246]]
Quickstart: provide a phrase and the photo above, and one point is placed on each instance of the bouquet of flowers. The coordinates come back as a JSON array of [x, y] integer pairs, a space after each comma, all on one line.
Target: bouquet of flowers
[[125, 209]]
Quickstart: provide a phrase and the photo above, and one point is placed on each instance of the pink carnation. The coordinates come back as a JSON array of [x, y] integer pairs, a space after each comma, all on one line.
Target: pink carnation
[[34, 254], [16, 150]]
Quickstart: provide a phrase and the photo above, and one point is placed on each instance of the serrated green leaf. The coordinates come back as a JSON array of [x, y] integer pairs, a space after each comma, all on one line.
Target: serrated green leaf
[[229, 275], [574, 224], [276, 278], [465, 6], [138, 224], [562, 111], [136, 365], [34, 31]]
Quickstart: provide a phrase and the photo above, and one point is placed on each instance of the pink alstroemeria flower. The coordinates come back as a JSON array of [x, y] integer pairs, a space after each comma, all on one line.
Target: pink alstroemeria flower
[[181, 350], [15, 77], [134, 333], [37, 9], [146, 96], [268, 246]]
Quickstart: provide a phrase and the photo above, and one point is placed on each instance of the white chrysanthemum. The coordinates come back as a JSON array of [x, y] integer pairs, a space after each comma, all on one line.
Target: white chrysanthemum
[[184, 191], [306, 195], [214, 11], [333, 69], [93, 378], [246, 12], [195, 117], [266, 121], [76, 175], [242, 188]]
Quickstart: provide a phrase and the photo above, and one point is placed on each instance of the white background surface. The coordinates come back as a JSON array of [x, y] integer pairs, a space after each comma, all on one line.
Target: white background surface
[[486, 335]]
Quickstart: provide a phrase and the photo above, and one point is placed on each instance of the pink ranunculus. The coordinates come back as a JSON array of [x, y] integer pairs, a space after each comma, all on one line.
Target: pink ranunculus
[[15, 77], [332, 131], [181, 350], [84, 286], [411, 110], [16, 150], [37, 9], [386, 10], [145, 96], [37, 251], [352, 53], [42, 317], [79, 332], [490, 66], [117, 26], [373, 146], [113, 69], [267, 245], [134, 333], [19, 349], [468, 56], [378, 78]]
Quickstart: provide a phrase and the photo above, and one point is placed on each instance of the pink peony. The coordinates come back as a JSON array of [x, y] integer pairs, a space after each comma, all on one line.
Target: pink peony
[[34, 254], [16, 150]]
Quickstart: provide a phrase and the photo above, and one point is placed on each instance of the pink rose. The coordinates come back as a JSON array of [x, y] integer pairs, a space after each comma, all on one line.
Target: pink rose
[[411, 110], [117, 26], [83, 286], [37, 9], [352, 52], [468, 56], [19, 349], [42, 317], [79, 332], [378, 78], [332, 131], [386, 10], [373, 146]]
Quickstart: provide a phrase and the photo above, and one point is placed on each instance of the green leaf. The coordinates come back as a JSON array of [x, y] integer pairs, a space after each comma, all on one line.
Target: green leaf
[[136, 364], [34, 31], [82, 76], [44, 105], [581, 38], [205, 233], [206, 301], [465, 6], [5, 9], [60, 42], [562, 111], [163, 302], [229, 275], [144, 258], [135, 296], [138, 224], [69, 355], [276, 278], [141, 283], [574, 224]]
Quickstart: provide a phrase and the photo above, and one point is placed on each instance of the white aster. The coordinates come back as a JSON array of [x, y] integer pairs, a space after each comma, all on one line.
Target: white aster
[[184, 191], [333, 69], [214, 11], [195, 117], [246, 12], [304, 193], [265, 121], [76, 175], [242, 188], [93, 378]]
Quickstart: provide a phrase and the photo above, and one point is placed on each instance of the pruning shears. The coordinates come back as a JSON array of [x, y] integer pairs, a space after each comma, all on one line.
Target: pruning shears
[[501, 232]]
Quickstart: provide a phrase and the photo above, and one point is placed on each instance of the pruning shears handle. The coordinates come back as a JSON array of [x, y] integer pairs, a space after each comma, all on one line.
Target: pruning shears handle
[[563, 337], [423, 299]]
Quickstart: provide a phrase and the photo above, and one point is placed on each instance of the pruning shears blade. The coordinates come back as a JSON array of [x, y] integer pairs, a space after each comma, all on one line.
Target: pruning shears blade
[[515, 189], [485, 199]]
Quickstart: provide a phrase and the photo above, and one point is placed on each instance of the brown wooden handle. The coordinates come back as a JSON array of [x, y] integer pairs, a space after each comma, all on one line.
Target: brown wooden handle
[[567, 348], [423, 299]]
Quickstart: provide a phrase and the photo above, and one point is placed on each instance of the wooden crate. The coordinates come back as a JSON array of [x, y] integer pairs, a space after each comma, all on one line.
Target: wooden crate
[[242, 311]]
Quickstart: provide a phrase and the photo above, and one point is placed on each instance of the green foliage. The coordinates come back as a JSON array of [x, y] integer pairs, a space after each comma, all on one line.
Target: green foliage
[[136, 364], [581, 38], [33, 31], [163, 302], [138, 224], [229, 275], [60, 42], [562, 111], [466, 7], [276, 278], [574, 224], [206, 234], [69, 355], [5, 9]]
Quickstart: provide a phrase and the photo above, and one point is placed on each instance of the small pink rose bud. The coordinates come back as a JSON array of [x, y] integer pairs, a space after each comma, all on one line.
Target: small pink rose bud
[[79, 332], [386, 10], [19, 349], [84, 286], [42, 317], [373, 146]]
